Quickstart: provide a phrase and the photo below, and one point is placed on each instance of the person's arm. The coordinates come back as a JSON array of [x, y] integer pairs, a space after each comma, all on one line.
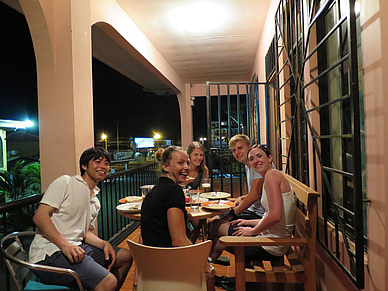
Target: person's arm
[[177, 227], [252, 197], [42, 219], [94, 240], [275, 204]]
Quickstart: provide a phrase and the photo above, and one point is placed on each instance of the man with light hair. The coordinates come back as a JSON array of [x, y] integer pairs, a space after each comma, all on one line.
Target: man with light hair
[[246, 206]]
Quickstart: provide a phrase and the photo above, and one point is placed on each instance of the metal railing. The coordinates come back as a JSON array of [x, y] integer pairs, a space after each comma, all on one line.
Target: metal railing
[[17, 215], [111, 225]]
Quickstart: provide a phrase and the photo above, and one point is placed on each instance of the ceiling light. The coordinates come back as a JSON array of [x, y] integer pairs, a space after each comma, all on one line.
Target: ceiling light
[[198, 17]]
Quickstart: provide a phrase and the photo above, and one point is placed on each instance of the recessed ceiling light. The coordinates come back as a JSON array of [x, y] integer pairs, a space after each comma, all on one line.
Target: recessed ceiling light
[[198, 17]]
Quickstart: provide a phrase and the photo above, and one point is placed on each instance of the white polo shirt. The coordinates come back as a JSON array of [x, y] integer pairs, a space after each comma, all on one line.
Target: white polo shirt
[[75, 212]]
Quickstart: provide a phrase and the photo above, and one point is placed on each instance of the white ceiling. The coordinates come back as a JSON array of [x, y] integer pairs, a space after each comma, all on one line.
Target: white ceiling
[[225, 53], [222, 54]]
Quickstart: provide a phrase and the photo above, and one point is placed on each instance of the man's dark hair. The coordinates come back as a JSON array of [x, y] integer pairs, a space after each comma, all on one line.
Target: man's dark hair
[[93, 153]]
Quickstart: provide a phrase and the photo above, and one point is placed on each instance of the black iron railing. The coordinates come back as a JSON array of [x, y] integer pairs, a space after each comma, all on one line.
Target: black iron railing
[[112, 226]]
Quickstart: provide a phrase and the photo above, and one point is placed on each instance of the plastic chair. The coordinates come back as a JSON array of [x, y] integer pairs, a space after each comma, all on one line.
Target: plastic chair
[[14, 248], [165, 269]]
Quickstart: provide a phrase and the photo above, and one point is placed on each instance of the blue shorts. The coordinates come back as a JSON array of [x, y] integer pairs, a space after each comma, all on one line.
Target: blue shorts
[[92, 270]]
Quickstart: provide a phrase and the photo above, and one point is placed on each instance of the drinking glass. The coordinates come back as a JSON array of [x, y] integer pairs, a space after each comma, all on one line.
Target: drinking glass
[[206, 185], [145, 189], [194, 199]]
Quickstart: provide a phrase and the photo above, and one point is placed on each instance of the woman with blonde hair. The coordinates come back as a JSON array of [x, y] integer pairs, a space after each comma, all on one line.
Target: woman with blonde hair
[[198, 169]]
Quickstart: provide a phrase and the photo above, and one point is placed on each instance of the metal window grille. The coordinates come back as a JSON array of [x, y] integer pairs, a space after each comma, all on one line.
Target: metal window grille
[[303, 44]]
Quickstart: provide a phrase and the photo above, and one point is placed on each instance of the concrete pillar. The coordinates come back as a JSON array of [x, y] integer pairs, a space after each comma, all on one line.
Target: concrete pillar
[[61, 34], [186, 116]]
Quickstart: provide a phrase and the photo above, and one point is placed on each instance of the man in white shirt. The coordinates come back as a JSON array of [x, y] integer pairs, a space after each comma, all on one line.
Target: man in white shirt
[[247, 206], [66, 218]]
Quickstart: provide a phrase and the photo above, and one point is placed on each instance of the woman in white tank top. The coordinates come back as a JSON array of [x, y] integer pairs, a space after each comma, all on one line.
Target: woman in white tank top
[[279, 202]]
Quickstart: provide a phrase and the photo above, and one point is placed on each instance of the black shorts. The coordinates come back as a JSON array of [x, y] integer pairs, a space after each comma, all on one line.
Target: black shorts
[[248, 215]]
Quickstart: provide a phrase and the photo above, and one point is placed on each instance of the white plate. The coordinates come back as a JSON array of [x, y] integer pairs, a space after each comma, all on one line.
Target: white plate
[[215, 195], [217, 206], [129, 207]]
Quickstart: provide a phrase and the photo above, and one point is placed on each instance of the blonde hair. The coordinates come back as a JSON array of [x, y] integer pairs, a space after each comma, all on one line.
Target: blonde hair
[[239, 137], [158, 154], [197, 145]]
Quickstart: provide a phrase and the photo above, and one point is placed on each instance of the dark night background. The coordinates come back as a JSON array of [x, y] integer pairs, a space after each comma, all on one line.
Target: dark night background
[[115, 97]]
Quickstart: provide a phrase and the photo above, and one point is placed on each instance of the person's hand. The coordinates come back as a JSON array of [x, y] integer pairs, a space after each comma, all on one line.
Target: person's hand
[[243, 231], [74, 253], [109, 252], [238, 201], [238, 222]]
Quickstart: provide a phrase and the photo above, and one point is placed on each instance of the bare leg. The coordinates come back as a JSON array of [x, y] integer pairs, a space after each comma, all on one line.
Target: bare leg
[[219, 228], [121, 266], [108, 284]]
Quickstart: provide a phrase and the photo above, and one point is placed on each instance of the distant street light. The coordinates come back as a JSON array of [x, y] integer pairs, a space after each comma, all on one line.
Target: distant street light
[[105, 138], [156, 136]]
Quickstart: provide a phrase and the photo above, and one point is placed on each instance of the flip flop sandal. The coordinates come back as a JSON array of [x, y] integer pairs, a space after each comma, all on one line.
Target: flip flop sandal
[[224, 283], [224, 261]]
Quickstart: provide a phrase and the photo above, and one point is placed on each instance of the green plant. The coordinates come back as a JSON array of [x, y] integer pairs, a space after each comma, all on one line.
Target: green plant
[[22, 180]]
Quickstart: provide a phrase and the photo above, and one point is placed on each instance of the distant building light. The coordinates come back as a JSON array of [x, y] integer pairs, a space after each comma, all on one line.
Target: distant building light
[[28, 123], [15, 124]]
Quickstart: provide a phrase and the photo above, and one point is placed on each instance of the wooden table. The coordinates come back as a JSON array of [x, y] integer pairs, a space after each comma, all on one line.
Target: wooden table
[[200, 214]]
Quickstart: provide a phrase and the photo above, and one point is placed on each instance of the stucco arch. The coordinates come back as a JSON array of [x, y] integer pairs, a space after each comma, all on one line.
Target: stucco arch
[[61, 35]]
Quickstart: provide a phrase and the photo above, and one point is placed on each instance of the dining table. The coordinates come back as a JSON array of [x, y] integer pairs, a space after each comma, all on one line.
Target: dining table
[[210, 208]]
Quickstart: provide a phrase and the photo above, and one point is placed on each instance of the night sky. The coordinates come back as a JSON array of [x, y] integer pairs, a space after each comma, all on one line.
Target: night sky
[[115, 96]]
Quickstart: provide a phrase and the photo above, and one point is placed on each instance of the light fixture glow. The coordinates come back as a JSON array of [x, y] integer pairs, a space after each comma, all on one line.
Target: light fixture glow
[[104, 136], [156, 136], [28, 123], [357, 7], [198, 17]]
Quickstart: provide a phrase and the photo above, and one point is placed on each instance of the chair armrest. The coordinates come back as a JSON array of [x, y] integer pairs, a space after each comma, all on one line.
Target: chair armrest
[[243, 241]]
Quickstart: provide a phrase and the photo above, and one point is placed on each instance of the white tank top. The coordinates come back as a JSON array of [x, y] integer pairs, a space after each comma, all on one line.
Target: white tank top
[[285, 226]]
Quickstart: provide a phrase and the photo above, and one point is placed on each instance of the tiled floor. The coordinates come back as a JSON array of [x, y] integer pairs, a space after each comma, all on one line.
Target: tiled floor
[[220, 270]]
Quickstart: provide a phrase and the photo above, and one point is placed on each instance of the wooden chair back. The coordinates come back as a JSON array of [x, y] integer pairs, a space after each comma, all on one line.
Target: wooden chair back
[[177, 268]]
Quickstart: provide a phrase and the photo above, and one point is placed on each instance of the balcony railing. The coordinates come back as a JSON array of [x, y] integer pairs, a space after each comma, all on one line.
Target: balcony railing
[[17, 215]]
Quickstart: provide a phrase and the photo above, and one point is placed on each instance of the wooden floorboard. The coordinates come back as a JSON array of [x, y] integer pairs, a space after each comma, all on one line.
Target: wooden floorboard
[[220, 270]]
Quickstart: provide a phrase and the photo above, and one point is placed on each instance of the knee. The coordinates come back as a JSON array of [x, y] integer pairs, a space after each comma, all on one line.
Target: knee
[[124, 257], [108, 284]]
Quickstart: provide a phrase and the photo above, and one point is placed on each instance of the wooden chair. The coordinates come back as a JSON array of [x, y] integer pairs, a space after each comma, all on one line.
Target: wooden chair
[[298, 265], [165, 269], [14, 248]]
